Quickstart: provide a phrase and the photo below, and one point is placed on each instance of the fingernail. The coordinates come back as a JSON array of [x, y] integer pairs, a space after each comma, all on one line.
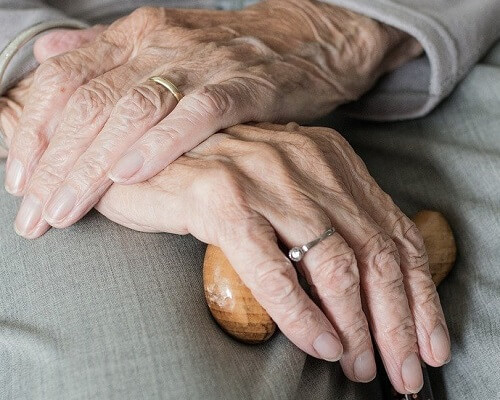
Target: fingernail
[[14, 179], [61, 203], [28, 216], [364, 367], [328, 347], [127, 166], [440, 344], [411, 372]]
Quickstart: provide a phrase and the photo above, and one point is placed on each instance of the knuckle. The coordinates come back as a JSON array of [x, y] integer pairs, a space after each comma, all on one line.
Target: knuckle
[[312, 152], [89, 101], [222, 174], [402, 335], [382, 259], [140, 102], [52, 72], [45, 177], [224, 185], [90, 170], [160, 138], [267, 161], [212, 101], [251, 47], [303, 141], [300, 320], [265, 153], [415, 251], [427, 298], [242, 222], [357, 333], [117, 38], [306, 145], [387, 252], [277, 281], [336, 275], [425, 301]]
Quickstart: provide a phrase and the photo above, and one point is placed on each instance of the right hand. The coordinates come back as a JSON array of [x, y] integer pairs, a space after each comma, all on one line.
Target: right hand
[[93, 117], [250, 186]]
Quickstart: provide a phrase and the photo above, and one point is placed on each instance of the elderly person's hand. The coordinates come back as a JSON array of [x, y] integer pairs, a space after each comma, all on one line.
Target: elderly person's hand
[[93, 116], [248, 187]]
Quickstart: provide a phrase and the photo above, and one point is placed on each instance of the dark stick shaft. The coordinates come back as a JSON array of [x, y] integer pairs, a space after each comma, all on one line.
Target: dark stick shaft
[[389, 393]]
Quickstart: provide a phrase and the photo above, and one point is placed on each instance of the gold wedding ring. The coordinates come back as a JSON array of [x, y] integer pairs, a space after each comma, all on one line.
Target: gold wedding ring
[[168, 85]]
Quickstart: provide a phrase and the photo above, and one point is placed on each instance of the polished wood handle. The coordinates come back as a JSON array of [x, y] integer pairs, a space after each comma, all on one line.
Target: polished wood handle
[[241, 316]]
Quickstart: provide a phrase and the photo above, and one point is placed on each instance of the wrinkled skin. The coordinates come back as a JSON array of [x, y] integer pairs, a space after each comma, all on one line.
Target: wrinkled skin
[[260, 184], [93, 117]]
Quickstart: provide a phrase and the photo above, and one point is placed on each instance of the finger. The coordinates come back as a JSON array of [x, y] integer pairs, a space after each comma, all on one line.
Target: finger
[[432, 332], [63, 40], [267, 272], [383, 293], [54, 83], [330, 267], [83, 118], [196, 117], [331, 270], [142, 107]]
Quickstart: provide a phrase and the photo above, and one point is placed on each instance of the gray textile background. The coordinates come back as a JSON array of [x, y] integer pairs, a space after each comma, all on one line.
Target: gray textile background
[[98, 311]]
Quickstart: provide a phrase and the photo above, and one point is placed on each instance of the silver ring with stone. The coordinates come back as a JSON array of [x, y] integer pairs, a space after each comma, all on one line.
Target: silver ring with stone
[[297, 253]]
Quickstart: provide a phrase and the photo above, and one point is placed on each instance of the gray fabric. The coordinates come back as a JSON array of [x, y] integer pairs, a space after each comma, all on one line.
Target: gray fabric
[[454, 35], [97, 311]]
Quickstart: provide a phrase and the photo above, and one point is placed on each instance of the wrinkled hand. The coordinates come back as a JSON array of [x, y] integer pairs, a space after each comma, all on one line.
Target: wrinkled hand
[[93, 116], [248, 187]]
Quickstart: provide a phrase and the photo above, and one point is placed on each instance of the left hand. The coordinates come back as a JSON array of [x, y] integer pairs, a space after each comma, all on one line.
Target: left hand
[[253, 183], [93, 115]]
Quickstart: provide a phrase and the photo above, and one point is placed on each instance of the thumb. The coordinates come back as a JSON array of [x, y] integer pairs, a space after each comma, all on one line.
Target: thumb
[[63, 40]]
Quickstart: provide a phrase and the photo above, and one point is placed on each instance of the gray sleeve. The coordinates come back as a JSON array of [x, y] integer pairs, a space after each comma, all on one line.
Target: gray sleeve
[[454, 34], [15, 17]]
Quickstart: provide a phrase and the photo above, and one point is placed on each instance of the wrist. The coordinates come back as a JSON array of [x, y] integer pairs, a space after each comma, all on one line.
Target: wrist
[[348, 45]]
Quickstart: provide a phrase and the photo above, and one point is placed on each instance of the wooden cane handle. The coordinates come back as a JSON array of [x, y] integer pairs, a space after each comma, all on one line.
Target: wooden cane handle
[[241, 316]]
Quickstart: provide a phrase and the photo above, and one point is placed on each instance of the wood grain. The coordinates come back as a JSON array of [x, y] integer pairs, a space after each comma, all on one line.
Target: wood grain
[[231, 302]]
